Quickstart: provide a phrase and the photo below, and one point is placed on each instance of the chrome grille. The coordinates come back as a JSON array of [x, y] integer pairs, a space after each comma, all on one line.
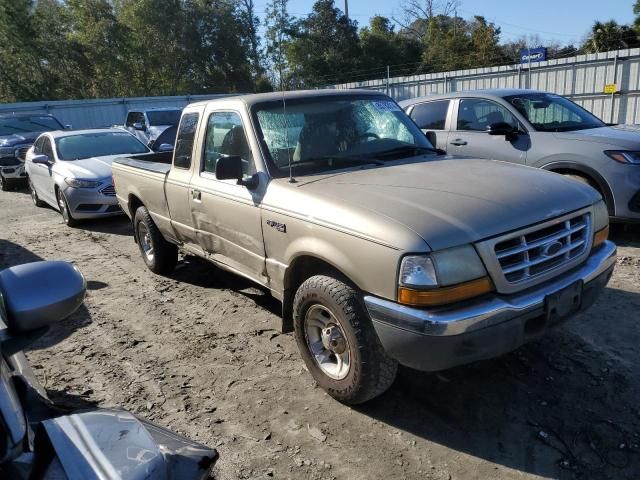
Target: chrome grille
[[109, 191], [532, 255]]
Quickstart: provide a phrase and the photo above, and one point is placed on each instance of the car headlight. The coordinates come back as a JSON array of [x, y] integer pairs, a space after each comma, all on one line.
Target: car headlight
[[600, 223], [442, 277], [79, 183], [624, 156], [6, 152]]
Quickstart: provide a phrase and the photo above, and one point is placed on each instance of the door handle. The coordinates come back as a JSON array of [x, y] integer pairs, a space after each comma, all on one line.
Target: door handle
[[196, 194], [458, 142]]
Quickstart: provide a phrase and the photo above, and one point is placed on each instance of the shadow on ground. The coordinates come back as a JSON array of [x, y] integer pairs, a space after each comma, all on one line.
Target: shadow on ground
[[561, 407]]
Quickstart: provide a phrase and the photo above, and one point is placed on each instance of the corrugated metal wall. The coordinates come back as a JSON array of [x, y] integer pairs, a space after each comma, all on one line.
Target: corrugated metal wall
[[581, 78], [102, 112]]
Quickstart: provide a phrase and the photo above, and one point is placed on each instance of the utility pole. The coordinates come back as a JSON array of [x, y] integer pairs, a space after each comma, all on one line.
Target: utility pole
[[346, 9]]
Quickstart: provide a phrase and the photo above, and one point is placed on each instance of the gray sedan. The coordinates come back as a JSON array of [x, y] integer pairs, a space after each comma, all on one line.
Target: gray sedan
[[538, 129], [71, 171]]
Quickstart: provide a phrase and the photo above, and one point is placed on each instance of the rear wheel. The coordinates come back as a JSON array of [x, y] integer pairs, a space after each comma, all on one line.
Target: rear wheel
[[159, 255], [34, 195], [63, 206], [338, 343]]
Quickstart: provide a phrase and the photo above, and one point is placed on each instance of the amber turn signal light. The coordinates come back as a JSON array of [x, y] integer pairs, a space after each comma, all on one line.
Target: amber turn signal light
[[444, 295], [600, 236]]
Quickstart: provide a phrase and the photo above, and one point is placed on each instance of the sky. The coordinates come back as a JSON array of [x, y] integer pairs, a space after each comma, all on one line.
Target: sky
[[558, 21]]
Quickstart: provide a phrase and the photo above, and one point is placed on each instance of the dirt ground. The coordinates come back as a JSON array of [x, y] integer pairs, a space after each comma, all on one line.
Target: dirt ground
[[199, 352]]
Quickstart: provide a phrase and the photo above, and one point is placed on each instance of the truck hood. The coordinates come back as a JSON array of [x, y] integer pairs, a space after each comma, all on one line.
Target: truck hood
[[18, 139], [627, 136], [454, 201], [94, 168]]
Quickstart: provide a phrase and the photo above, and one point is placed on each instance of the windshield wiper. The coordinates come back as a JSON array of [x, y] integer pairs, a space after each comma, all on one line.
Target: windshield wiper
[[412, 150], [346, 159]]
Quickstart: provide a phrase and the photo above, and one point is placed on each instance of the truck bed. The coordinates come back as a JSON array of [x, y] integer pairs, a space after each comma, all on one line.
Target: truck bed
[[155, 162]]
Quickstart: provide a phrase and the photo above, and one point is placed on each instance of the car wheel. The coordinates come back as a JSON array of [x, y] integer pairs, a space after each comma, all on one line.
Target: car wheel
[[159, 255], [34, 196], [63, 206], [3, 184], [337, 341]]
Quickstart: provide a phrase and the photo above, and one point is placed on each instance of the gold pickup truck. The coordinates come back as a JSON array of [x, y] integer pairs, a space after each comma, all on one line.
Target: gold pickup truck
[[381, 249]]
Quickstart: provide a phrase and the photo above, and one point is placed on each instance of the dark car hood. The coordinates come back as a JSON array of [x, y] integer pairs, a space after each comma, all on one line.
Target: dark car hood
[[23, 138]]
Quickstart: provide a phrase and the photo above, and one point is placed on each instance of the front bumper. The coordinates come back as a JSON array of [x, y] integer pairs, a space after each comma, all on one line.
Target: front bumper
[[86, 203], [14, 174], [444, 337]]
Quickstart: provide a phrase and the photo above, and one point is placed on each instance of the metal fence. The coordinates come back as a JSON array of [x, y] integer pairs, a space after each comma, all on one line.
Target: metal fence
[[99, 113], [581, 78]]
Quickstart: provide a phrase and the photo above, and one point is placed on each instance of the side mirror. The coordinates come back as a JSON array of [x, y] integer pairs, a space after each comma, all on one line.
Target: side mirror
[[138, 126], [165, 147], [68, 127], [503, 128], [230, 168], [41, 159], [39, 294]]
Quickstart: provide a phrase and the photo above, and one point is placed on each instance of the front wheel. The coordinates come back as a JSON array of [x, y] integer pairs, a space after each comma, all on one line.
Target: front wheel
[[3, 184], [337, 341], [63, 206], [159, 255]]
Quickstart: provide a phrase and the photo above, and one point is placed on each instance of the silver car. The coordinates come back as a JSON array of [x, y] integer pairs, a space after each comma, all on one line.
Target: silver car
[[71, 171], [541, 130]]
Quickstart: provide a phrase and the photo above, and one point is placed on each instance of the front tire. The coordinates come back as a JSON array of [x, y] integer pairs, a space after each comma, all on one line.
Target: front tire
[[63, 206], [34, 195], [159, 255], [3, 184], [337, 341]]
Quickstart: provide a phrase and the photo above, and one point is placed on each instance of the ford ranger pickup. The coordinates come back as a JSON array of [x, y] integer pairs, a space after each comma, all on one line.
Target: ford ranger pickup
[[381, 249]]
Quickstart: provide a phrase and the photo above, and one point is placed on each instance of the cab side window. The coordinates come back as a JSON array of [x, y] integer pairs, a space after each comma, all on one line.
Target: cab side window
[[184, 140], [135, 117], [226, 137], [476, 114], [431, 115]]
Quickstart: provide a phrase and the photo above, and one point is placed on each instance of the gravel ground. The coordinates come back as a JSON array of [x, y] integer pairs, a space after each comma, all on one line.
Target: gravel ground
[[199, 352]]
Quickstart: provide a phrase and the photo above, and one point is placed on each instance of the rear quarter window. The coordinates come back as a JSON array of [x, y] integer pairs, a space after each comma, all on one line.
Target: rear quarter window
[[183, 150], [431, 115]]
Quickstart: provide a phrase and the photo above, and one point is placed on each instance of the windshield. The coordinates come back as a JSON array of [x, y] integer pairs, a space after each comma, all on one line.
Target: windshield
[[553, 113], [33, 123], [323, 133], [164, 117], [87, 145]]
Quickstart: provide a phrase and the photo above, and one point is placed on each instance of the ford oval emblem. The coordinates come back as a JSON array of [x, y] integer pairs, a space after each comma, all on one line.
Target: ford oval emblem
[[552, 248]]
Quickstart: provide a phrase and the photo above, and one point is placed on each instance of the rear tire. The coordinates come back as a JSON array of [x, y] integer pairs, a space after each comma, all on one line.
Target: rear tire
[[337, 341], [159, 255], [63, 206]]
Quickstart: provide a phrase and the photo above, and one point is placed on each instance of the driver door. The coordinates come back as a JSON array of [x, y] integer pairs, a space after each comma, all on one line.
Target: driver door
[[41, 175], [469, 135]]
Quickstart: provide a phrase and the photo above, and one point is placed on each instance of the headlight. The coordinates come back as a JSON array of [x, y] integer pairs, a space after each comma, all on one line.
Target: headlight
[[442, 277], [624, 156], [79, 183], [6, 152], [600, 224]]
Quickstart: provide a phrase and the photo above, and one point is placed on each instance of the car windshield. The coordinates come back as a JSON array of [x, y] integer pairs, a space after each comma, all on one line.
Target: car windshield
[[553, 113], [98, 144], [26, 124], [326, 133], [164, 117]]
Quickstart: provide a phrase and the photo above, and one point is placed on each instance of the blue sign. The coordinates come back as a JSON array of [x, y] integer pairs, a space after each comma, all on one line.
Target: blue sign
[[533, 55]]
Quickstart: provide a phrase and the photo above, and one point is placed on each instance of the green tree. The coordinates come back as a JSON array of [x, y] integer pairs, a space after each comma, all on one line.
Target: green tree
[[382, 45], [279, 33], [327, 48], [609, 36]]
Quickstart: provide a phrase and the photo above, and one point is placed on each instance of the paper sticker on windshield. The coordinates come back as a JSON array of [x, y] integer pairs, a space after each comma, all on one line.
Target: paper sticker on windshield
[[386, 106]]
